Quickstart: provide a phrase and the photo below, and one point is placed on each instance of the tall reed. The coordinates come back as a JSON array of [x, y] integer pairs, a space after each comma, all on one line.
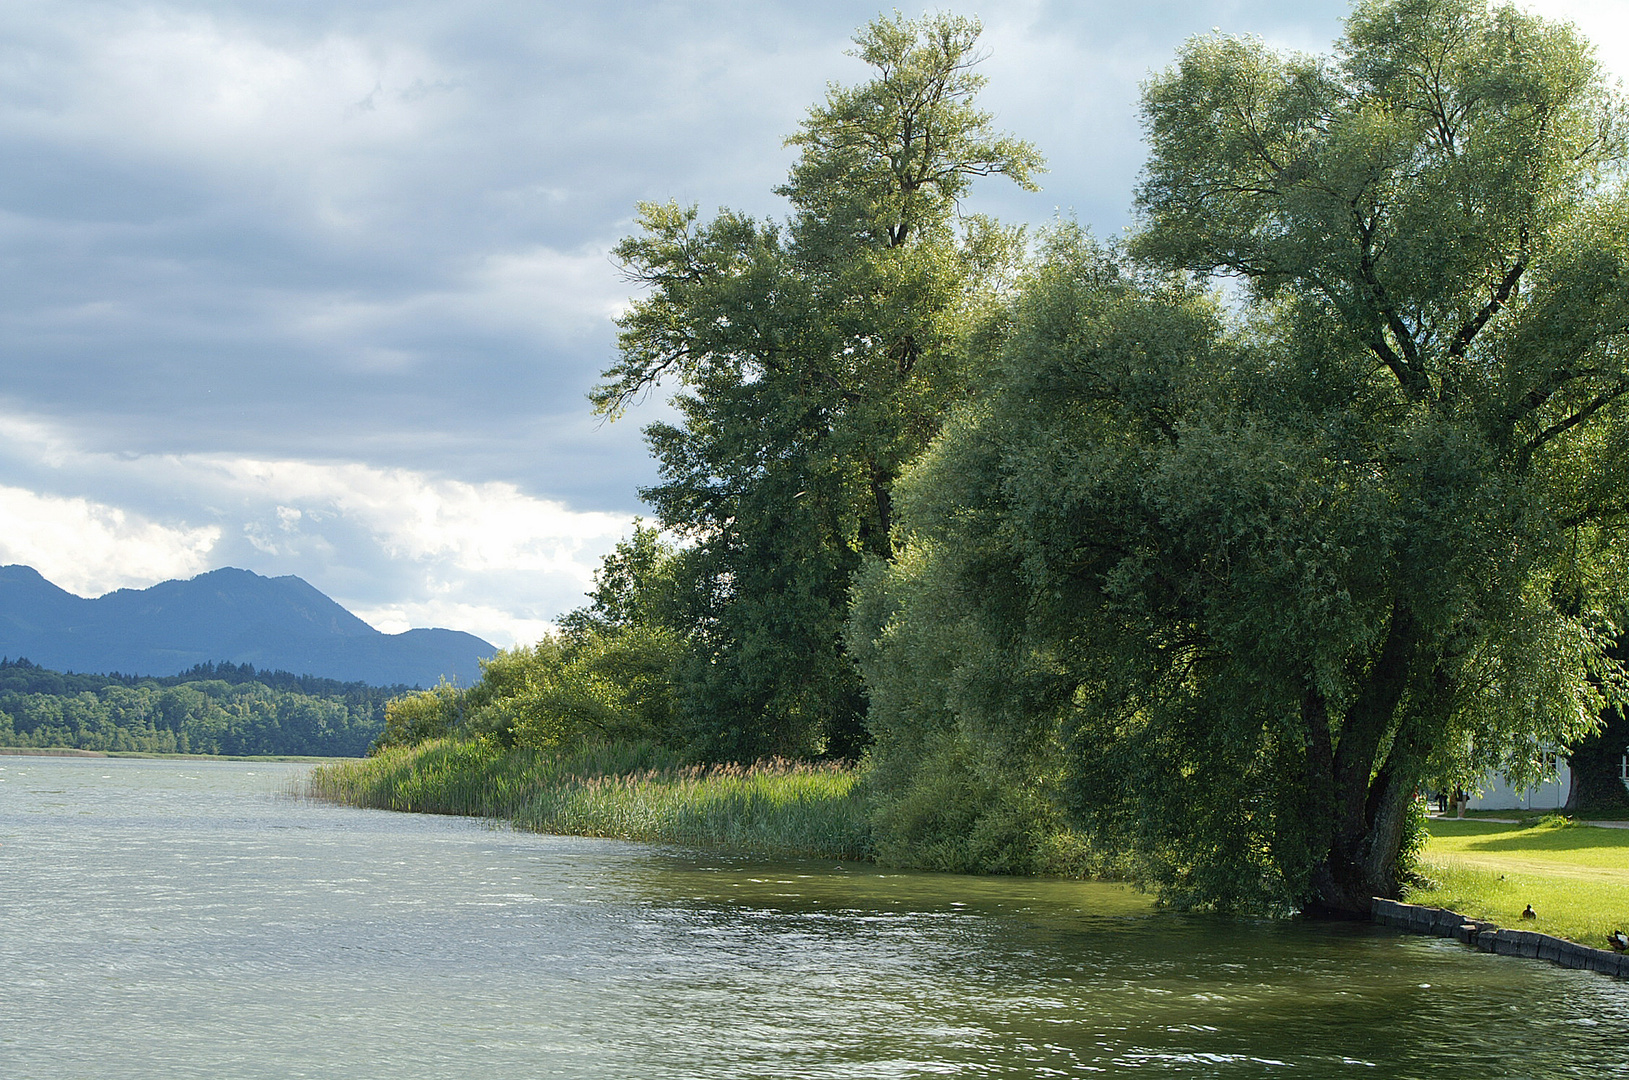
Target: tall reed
[[630, 791]]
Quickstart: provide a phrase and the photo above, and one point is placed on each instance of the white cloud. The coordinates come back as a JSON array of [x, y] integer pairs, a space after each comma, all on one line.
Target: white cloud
[[219, 93], [539, 292], [477, 527], [1604, 22], [558, 290], [400, 548], [502, 627], [90, 548]]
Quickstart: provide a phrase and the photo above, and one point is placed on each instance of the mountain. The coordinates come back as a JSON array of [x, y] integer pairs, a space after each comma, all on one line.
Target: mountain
[[280, 623]]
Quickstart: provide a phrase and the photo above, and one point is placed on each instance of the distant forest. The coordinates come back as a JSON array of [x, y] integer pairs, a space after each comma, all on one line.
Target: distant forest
[[208, 709]]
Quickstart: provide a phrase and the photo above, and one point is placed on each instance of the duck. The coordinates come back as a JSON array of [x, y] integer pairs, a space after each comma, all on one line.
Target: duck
[[1618, 940], [1529, 913]]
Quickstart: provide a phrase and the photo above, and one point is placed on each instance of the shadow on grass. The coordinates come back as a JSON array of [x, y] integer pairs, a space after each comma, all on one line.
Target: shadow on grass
[[1488, 836]]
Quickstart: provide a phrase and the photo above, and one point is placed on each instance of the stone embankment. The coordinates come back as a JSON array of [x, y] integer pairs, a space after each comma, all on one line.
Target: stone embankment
[[1440, 922]]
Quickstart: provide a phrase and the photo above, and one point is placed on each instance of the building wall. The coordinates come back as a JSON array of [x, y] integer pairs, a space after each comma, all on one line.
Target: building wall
[[1497, 794]]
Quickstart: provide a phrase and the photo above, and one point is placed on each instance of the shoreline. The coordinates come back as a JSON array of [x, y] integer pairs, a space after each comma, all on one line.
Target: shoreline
[[1492, 938]]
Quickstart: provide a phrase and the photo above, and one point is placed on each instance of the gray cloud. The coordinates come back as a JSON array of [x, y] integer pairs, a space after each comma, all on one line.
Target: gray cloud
[[374, 234]]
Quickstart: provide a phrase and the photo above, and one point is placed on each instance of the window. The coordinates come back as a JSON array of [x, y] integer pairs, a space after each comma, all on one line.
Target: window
[[1623, 769]]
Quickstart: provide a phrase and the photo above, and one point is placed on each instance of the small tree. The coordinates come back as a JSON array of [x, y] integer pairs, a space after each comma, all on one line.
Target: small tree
[[426, 714]]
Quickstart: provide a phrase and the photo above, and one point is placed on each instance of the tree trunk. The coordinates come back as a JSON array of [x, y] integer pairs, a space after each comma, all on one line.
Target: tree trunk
[[1388, 817], [882, 492], [1595, 763], [1369, 803]]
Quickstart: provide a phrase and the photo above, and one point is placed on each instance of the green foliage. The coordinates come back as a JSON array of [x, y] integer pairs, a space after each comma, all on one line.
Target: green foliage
[[604, 684], [891, 158], [609, 685], [607, 675], [1595, 763], [1263, 578], [475, 776], [634, 586], [236, 714], [1123, 571], [1416, 837], [814, 360], [425, 714], [956, 814]]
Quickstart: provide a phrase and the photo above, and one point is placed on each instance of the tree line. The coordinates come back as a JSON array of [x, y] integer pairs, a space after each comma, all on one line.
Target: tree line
[[1053, 532], [210, 709]]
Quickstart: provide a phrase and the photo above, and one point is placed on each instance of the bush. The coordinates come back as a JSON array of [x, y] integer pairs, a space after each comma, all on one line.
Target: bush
[[414, 718], [590, 686]]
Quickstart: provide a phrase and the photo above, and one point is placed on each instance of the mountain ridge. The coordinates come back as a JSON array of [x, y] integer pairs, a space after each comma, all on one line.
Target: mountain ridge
[[225, 615]]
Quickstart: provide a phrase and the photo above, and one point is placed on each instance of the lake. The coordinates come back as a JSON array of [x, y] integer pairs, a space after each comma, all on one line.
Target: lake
[[193, 919]]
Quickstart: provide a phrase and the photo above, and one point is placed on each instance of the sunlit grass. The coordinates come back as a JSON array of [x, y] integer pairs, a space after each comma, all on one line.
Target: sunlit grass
[[1576, 877], [633, 792]]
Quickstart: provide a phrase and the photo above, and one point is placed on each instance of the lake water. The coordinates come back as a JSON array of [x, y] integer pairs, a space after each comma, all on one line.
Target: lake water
[[190, 919]]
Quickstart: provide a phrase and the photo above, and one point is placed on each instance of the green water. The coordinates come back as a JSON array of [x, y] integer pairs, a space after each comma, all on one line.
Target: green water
[[187, 919]]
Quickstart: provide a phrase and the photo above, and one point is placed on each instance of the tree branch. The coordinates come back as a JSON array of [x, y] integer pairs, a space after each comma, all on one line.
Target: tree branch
[[1407, 365], [1596, 404], [1501, 293]]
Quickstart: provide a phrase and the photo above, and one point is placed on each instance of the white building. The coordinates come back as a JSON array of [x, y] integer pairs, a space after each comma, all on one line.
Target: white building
[[1497, 794]]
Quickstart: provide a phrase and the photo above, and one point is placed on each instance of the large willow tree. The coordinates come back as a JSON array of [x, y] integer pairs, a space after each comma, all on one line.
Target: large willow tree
[[813, 360], [1261, 576]]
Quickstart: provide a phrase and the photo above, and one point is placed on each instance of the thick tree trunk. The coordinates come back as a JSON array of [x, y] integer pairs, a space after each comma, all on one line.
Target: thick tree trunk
[[1597, 787], [1388, 817], [1369, 800], [1355, 873]]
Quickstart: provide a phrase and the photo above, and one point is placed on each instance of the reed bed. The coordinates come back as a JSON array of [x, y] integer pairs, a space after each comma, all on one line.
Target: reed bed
[[625, 791]]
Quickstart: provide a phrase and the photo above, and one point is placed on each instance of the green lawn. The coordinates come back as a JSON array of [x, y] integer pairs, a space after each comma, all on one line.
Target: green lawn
[[1575, 876]]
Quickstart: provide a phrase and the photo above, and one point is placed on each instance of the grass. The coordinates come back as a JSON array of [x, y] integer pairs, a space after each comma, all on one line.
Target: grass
[[1575, 876], [630, 792]]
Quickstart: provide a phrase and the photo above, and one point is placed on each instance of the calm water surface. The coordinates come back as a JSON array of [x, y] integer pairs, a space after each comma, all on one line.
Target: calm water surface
[[189, 919]]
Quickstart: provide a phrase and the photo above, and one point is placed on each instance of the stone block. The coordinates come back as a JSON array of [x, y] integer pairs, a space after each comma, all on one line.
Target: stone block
[[1603, 961], [1490, 937], [1522, 943], [1389, 912]]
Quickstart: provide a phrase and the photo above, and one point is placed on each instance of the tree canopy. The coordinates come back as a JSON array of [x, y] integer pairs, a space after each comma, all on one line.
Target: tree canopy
[[814, 359], [210, 709], [1099, 564], [1255, 574]]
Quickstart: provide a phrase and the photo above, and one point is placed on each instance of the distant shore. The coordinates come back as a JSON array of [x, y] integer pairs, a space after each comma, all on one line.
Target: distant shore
[[68, 751]]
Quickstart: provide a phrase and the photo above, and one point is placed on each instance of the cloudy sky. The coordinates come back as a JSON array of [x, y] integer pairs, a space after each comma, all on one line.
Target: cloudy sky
[[317, 287]]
